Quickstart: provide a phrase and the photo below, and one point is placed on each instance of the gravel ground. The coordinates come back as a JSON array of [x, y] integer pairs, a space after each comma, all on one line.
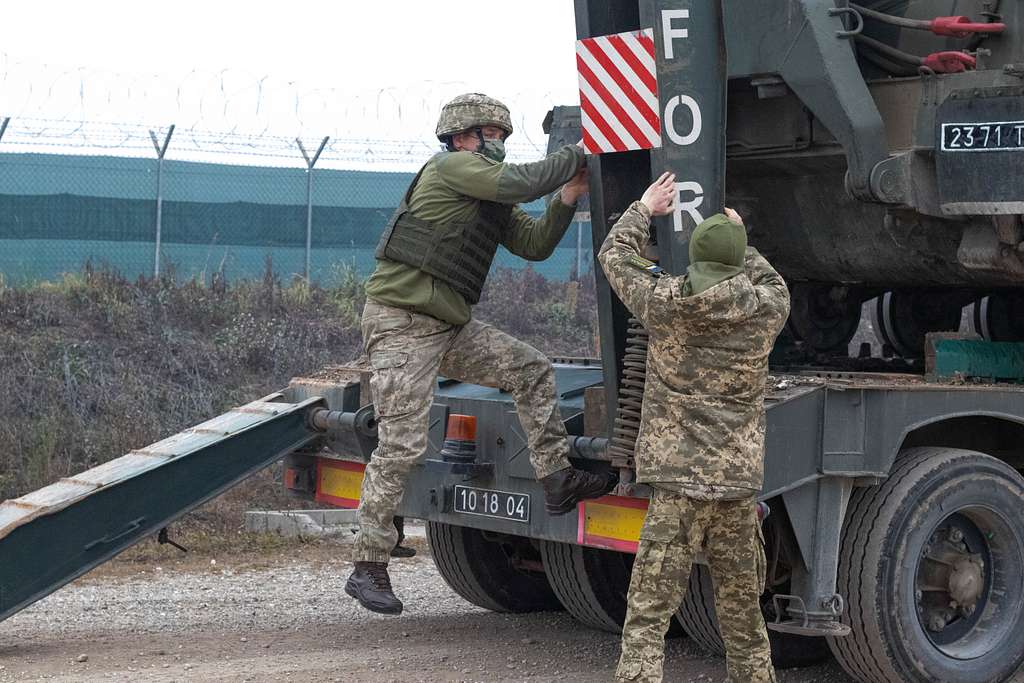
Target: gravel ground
[[283, 615]]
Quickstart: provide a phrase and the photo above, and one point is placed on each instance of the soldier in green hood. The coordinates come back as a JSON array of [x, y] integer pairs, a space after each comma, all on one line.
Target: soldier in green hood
[[432, 261], [701, 441]]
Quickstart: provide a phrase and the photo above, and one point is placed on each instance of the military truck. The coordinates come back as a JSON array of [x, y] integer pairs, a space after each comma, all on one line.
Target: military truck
[[875, 153], [875, 150]]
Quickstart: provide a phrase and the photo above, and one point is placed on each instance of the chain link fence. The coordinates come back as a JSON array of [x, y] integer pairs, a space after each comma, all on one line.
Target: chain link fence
[[204, 205]]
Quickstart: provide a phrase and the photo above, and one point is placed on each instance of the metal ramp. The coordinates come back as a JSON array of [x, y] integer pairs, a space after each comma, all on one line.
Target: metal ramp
[[56, 534]]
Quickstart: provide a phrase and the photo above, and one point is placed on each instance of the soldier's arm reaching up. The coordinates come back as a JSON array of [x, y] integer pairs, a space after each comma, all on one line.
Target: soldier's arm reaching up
[[536, 239], [476, 176], [621, 254]]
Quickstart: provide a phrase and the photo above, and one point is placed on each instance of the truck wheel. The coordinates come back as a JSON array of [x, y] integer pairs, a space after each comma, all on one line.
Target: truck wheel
[[698, 617], [932, 566], [592, 584], [697, 613], [901, 318], [822, 317], [999, 317], [499, 572]]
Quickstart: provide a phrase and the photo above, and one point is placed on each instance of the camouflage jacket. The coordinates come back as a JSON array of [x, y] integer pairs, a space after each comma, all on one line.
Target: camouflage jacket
[[703, 413]]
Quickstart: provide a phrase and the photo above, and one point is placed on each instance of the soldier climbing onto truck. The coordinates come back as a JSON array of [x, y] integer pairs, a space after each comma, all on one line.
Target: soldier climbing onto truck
[[701, 441], [433, 258]]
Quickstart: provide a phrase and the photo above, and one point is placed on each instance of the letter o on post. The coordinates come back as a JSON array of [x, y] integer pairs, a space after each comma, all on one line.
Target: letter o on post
[[670, 126]]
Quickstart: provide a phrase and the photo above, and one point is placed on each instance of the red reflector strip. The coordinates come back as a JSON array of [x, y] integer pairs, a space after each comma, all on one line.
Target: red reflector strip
[[295, 479], [611, 522], [338, 482]]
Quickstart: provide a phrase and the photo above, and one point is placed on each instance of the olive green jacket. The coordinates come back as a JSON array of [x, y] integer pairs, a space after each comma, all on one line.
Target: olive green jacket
[[702, 420], [450, 191]]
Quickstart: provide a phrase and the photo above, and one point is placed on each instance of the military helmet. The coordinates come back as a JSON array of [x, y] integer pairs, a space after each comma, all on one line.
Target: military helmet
[[472, 110]]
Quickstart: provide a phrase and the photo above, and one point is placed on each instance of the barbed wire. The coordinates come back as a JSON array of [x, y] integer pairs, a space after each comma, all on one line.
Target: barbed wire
[[236, 115]]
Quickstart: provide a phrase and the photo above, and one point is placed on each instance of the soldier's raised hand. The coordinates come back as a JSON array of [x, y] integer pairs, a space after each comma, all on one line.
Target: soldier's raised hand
[[733, 216], [661, 195], [577, 186]]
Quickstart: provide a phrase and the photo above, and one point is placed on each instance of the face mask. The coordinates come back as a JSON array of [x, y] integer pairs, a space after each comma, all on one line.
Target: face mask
[[493, 149]]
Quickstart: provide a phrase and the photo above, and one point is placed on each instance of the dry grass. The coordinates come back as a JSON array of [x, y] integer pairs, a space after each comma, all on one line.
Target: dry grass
[[93, 365]]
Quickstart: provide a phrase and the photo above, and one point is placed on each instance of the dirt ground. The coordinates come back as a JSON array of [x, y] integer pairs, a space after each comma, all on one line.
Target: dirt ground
[[279, 614]]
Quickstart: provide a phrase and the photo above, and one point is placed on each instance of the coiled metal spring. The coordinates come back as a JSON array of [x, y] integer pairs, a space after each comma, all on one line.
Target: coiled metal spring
[[631, 393]]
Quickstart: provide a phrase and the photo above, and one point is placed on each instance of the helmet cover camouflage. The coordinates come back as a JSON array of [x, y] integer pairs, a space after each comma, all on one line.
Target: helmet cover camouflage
[[472, 110]]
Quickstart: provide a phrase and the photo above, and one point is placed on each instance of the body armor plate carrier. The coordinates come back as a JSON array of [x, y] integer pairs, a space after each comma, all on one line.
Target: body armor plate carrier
[[458, 254]]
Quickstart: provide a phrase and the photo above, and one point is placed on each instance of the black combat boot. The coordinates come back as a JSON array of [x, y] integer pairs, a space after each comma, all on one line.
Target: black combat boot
[[371, 586], [567, 487]]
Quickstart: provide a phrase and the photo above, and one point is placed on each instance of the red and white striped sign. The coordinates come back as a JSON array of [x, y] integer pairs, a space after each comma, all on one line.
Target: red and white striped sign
[[618, 92]]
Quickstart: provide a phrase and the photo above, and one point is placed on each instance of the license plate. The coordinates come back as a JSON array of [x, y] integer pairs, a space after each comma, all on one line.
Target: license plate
[[488, 503], [988, 136]]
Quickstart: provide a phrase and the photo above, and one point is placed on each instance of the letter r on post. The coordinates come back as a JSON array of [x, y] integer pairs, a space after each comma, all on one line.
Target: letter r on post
[[690, 206]]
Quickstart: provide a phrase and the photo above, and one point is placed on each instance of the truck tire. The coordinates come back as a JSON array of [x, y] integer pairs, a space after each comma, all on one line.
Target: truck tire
[[697, 613], [932, 566], [699, 620], [592, 584], [490, 570]]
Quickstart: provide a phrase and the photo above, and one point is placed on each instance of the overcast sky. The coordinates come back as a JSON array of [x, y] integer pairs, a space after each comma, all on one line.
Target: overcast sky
[[279, 66]]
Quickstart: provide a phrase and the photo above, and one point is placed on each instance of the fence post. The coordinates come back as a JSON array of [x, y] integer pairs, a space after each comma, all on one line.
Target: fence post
[[309, 195], [579, 250], [160, 152], [3, 126]]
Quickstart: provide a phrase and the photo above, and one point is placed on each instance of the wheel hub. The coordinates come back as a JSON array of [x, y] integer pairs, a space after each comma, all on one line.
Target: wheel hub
[[951, 580], [966, 581]]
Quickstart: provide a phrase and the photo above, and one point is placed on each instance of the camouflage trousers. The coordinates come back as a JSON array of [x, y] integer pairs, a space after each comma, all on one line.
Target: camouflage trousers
[[407, 351], [675, 529]]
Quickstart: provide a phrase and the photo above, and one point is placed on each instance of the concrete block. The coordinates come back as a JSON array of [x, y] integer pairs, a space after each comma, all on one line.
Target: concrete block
[[334, 522], [308, 523]]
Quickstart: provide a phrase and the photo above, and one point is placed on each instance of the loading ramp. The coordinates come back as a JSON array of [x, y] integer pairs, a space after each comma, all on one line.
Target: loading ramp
[[52, 536]]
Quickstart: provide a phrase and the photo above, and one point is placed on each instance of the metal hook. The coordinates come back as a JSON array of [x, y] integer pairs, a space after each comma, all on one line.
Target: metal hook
[[858, 27]]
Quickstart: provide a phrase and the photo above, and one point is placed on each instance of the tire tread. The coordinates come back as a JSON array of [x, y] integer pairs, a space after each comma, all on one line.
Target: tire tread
[[872, 512]]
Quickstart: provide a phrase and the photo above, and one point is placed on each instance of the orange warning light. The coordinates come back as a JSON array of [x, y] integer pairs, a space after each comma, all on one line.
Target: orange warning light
[[461, 428]]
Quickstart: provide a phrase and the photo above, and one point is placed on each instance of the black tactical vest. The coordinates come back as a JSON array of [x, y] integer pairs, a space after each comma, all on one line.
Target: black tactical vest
[[458, 254]]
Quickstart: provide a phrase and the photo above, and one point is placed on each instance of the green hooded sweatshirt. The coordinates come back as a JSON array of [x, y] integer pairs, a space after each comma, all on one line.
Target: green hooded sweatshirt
[[717, 249]]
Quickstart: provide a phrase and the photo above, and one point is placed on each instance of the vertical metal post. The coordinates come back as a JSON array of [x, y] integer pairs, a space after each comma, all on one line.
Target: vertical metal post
[[616, 181], [690, 60], [3, 126], [820, 507], [579, 250], [161, 150], [309, 196]]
